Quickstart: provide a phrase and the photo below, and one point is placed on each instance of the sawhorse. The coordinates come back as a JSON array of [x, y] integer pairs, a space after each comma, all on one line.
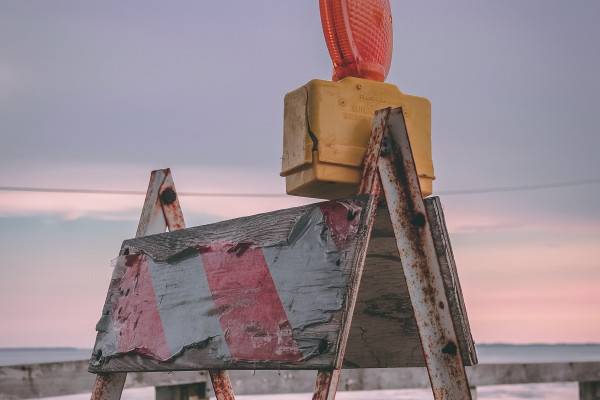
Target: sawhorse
[[235, 333]]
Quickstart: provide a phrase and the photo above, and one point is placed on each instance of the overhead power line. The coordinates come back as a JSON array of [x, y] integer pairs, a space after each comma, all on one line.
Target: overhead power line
[[493, 189], [130, 192], [522, 188]]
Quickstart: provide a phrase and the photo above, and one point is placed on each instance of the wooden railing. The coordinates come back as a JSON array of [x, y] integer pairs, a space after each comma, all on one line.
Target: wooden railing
[[71, 377]]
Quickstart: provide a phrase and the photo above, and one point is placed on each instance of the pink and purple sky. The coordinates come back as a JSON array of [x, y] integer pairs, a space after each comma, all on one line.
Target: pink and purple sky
[[95, 95]]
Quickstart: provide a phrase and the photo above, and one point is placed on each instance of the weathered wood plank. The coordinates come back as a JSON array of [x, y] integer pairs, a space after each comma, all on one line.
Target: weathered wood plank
[[152, 219], [384, 331], [261, 382], [266, 229], [72, 377], [261, 292], [443, 248]]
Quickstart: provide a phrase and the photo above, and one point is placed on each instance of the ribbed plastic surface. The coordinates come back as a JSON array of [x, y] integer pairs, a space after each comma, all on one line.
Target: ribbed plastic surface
[[359, 37]]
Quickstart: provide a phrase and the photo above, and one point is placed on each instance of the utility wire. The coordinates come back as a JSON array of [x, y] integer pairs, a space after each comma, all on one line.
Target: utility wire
[[522, 188], [131, 192], [458, 192]]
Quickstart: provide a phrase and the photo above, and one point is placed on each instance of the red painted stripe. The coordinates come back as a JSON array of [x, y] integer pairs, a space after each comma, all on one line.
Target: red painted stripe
[[136, 313], [342, 219], [250, 311]]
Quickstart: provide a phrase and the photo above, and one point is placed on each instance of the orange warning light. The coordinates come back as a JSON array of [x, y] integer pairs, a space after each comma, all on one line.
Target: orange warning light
[[359, 37]]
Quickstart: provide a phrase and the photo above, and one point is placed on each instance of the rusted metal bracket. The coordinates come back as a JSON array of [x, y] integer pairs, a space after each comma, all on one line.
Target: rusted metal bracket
[[161, 211]]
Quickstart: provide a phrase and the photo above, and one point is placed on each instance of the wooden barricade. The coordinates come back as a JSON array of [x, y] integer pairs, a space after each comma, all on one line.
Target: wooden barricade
[[363, 282]]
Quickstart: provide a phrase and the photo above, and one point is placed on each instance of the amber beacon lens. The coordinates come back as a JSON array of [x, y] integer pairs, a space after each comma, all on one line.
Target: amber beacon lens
[[359, 37]]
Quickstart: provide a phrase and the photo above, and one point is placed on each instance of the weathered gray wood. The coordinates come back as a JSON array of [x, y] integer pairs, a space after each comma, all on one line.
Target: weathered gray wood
[[384, 331], [589, 390], [190, 391], [443, 248], [260, 382], [307, 260], [473, 390], [264, 229], [71, 377], [152, 219], [514, 374]]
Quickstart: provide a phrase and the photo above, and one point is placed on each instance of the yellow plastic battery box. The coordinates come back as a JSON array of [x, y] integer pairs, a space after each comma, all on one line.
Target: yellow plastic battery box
[[326, 132]]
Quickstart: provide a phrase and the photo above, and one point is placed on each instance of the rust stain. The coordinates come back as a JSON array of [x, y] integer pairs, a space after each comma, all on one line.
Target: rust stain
[[342, 219], [171, 208], [369, 183], [410, 215], [322, 386], [221, 384], [108, 386]]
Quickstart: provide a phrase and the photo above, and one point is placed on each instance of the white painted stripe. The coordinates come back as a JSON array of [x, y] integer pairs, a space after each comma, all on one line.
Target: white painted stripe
[[186, 307], [310, 283]]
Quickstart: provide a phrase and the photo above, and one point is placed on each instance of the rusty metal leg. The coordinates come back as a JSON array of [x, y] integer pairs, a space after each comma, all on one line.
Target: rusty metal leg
[[221, 384], [108, 386], [420, 264], [327, 383]]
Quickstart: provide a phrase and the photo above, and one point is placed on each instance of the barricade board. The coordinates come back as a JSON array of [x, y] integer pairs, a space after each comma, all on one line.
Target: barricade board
[[283, 290], [266, 292], [260, 292]]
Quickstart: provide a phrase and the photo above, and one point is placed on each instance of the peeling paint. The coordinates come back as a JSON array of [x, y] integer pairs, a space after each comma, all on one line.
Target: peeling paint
[[235, 302]]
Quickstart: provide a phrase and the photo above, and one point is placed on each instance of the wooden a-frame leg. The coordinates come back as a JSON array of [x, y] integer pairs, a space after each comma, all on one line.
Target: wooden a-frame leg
[[327, 380], [161, 211], [109, 386]]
